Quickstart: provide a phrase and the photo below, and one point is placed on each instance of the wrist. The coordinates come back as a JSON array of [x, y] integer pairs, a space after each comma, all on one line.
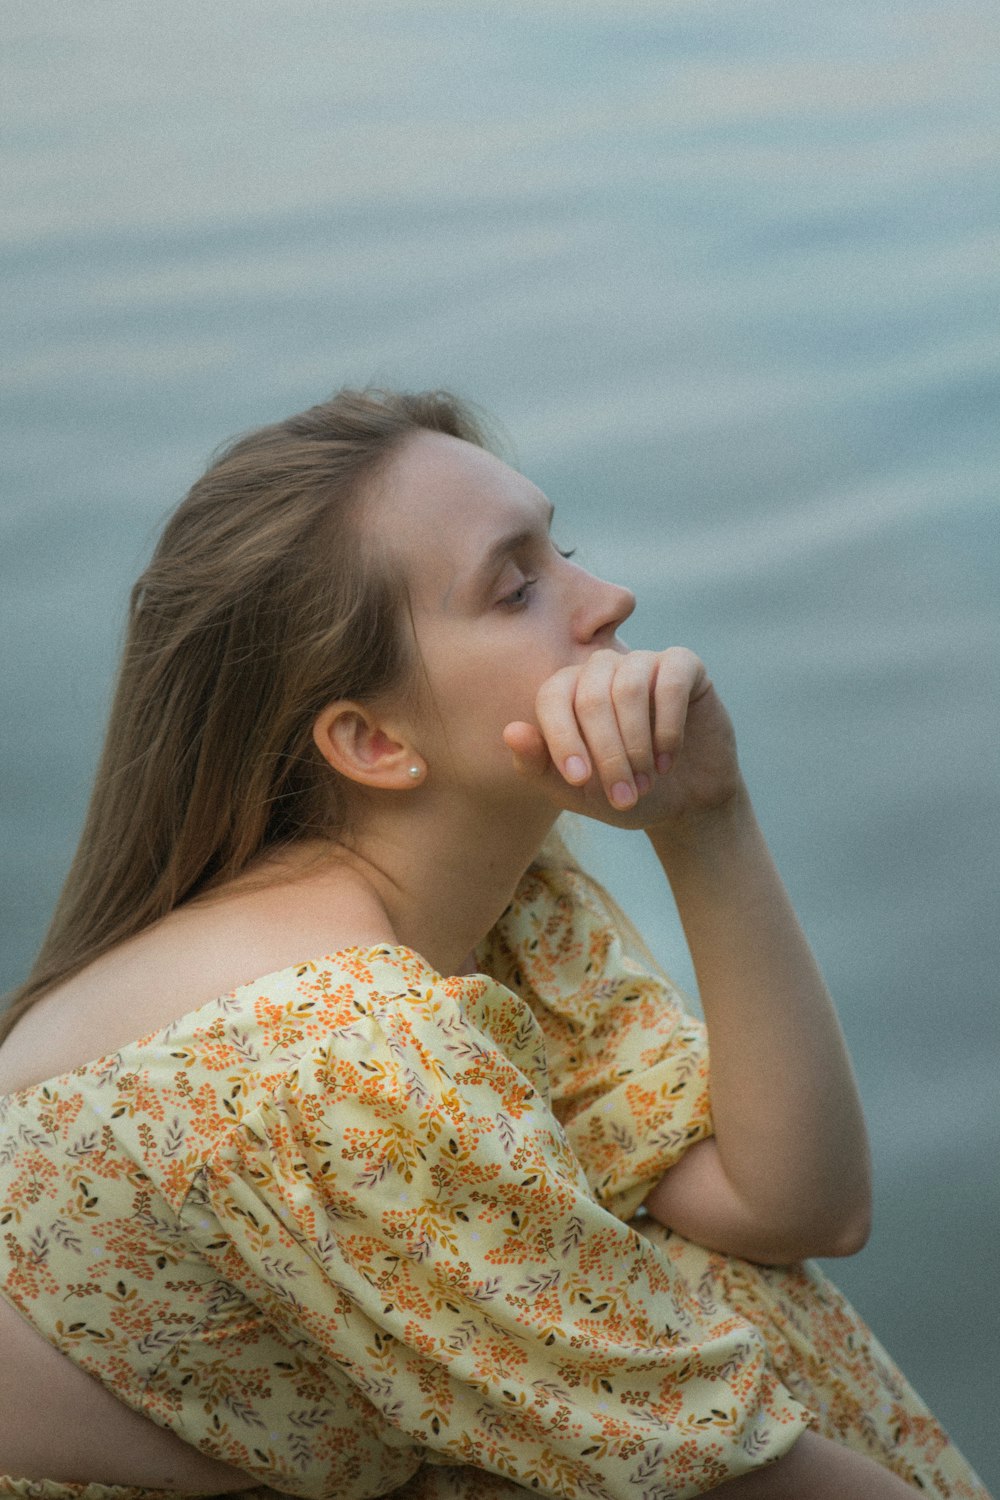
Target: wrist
[[702, 830]]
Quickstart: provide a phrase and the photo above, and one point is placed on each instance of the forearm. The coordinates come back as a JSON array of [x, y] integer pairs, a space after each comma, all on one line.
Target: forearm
[[790, 1139]]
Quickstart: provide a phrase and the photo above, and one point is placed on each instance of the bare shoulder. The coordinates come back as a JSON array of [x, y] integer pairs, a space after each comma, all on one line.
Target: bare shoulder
[[198, 952]]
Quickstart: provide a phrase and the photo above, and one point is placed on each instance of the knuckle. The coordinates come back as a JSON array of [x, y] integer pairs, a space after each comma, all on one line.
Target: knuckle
[[682, 656], [611, 764], [672, 685], [627, 690], [555, 688], [638, 742], [590, 699], [562, 745]]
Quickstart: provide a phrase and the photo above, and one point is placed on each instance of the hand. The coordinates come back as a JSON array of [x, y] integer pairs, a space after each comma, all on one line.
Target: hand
[[639, 739]]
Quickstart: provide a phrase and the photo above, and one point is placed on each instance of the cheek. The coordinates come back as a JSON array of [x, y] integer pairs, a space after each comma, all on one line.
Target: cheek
[[478, 684], [482, 699]]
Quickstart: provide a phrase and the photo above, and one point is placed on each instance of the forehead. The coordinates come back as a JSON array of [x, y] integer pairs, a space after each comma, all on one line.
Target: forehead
[[434, 473], [442, 503]]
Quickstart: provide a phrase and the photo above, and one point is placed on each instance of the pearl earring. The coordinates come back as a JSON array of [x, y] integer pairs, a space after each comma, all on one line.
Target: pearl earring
[[415, 772]]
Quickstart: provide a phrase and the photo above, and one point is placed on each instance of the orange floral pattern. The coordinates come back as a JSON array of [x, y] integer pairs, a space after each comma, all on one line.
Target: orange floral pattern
[[358, 1228]]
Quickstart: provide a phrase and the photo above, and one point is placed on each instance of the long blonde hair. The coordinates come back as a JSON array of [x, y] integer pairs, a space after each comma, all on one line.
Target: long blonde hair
[[261, 605]]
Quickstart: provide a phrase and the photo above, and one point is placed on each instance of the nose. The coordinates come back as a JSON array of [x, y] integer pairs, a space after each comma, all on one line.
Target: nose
[[602, 608]]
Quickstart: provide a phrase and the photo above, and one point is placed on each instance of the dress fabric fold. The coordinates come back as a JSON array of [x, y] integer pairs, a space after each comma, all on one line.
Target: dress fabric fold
[[358, 1228]]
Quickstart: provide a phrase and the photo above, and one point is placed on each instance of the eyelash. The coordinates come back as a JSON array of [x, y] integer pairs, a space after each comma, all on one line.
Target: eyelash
[[519, 596]]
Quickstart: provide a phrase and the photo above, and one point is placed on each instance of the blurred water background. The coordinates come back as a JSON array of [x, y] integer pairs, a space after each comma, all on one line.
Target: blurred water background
[[729, 276]]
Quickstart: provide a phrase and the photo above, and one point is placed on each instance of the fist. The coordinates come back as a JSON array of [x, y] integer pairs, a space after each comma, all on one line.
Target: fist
[[636, 738]]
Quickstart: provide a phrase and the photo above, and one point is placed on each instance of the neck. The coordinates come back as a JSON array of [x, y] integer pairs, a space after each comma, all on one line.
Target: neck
[[445, 880], [441, 878]]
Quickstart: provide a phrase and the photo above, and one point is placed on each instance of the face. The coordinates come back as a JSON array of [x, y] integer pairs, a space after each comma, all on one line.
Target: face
[[496, 606]]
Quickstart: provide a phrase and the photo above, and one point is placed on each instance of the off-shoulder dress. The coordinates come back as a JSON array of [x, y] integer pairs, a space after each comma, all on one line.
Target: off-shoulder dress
[[359, 1228]]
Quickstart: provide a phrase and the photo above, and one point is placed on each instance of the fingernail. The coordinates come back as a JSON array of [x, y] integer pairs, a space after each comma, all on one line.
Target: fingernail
[[622, 794], [642, 783], [663, 763], [577, 768]]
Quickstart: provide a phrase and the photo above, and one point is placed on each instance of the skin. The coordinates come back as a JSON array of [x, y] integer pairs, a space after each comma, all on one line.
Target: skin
[[640, 739], [526, 703]]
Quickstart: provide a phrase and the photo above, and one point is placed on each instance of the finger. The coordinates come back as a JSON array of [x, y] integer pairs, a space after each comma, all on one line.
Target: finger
[[557, 718], [531, 755], [678, 681], [631, 695], [594, 708]]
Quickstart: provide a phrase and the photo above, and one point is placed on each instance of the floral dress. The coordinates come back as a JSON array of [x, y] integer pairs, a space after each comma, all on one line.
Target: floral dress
[[361, 1229]]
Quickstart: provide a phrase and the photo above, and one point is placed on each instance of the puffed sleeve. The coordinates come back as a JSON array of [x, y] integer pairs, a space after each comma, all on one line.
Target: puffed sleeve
[[628, 1066], [405, 1203]]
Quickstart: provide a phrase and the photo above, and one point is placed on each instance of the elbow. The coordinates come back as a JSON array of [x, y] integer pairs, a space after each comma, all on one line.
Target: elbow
[[798, 1242], [852, 1236], [844, 1224], [832, 1236], [856, 1218], [847, 1232]]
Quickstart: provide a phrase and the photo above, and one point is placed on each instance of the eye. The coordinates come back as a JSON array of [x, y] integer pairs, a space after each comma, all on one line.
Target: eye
[[565, 552], [519, 596]]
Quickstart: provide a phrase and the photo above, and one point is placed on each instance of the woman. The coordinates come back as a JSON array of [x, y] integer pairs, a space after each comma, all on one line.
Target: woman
[[360, 1225]]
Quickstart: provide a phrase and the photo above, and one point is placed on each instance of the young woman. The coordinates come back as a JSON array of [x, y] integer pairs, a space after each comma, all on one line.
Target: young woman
[[362, 1225]]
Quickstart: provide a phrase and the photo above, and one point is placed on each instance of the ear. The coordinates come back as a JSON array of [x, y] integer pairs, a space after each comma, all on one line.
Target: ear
[[355, 742]]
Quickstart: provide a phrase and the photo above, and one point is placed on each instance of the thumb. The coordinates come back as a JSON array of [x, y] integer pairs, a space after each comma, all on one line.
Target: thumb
[[531, 754]]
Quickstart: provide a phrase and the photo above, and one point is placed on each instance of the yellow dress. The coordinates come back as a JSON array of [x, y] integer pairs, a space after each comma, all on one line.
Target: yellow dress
[[357, 1228]]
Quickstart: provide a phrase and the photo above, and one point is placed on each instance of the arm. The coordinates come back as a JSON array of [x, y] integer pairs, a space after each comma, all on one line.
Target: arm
[[404, 1210], [787, 1174]]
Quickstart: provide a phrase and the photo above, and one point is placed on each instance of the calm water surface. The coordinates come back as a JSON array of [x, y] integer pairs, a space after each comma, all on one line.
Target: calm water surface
[[729, 276]]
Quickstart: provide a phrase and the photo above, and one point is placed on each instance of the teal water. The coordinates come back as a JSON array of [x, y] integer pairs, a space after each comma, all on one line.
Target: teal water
[[730, 278]]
